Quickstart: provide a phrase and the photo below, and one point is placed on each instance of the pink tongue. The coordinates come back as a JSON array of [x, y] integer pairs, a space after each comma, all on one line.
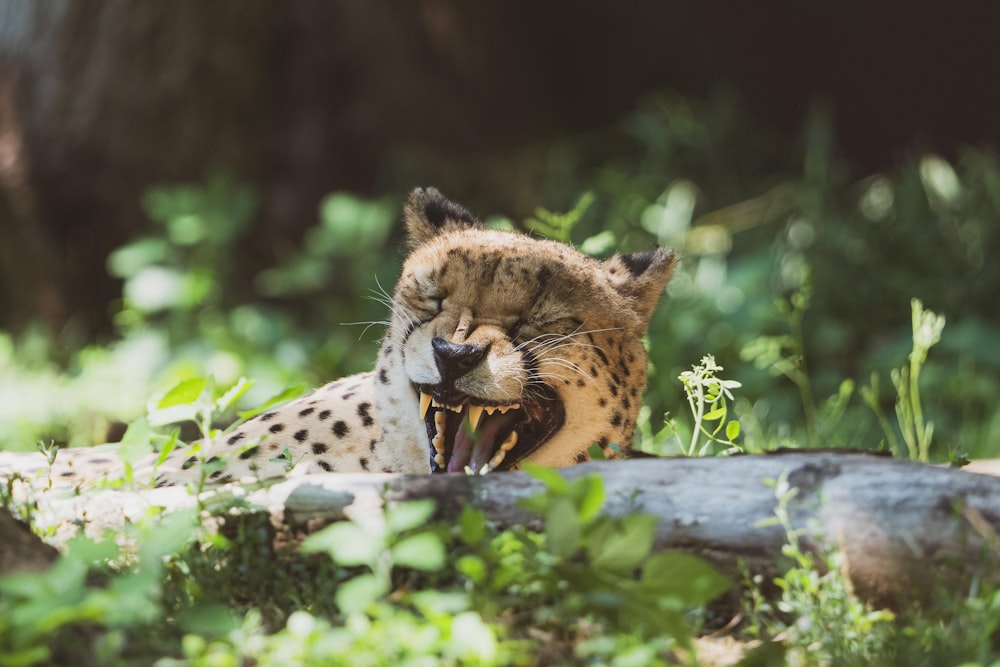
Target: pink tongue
[[474, 451]]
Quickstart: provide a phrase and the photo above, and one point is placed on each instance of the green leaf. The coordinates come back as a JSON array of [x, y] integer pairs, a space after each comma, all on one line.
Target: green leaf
[[687, 577], [234, 394], [620, 546], [359, 593], [718, 413], [286, 394], [547, 476], [472, 567], [588, 492], [167, 535], [596, 453], [91, 552], [135, 444], [423, 551], [347, 543], [562, 528], [599, 244], [732, 430], [185, 392], [168, 447], [471, 525], [409, 515]]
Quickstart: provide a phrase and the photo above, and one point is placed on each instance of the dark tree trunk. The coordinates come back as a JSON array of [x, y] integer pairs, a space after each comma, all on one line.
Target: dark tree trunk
[[101, 100], [97, 102]]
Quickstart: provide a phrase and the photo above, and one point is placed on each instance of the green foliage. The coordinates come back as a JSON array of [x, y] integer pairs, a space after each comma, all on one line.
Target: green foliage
[[379, 545], [603, 565], [827, 624], [559, 226], [916, 432], [708, 398], [41, 613]]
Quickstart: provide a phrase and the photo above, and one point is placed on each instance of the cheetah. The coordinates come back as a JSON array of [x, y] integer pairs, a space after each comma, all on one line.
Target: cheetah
[[501, 348]]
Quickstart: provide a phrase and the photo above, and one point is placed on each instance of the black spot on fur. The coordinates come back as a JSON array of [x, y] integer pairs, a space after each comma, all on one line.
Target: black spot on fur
[[363, 412], [347, 395], [276, 428], [616, 419], [580, 382], [324, 465], [188, 463], [340, 428], [213, 459], [386, 469], [250, 453], [613, 389], [215, 475], [364, 463], [319, 448], [438, 210], [602, 402], [233, 439], [603, 442], [324, 415], [226, 479], [383, 377], [580, 457], [604, 357], [68, 473], [638, 262], [593, 371], [307, 412], [267, 416], [300, 436], [371, 444]]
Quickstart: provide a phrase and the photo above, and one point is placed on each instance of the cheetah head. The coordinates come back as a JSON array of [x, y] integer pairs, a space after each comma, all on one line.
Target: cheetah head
[[503, 348]]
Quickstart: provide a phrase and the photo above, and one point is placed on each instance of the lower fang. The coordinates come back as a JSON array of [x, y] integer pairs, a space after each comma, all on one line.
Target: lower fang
[[509, 443], [496, 460], [438, 439]]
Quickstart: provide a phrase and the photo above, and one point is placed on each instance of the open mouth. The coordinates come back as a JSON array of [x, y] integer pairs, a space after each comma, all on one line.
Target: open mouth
[[470, 435]]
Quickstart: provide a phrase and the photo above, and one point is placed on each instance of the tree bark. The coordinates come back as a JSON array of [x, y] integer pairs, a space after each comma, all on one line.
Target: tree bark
[[902, 527], [20, 549]]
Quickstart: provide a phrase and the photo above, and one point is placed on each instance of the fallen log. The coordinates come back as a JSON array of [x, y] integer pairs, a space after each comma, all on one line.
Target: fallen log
[[903, 527]]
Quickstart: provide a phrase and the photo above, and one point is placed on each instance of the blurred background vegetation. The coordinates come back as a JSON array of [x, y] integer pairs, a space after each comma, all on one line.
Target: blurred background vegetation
[[194, 188]]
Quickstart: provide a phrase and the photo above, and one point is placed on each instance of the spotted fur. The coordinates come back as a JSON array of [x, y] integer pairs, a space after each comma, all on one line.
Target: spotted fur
[[545, 318]]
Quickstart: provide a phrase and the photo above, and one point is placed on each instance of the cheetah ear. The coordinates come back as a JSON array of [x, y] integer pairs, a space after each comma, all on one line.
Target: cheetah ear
[[428, 213], [642, 277]]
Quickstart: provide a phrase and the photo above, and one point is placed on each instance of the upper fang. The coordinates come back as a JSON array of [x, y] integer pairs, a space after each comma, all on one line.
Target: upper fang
[[475, 413], [425, 403]]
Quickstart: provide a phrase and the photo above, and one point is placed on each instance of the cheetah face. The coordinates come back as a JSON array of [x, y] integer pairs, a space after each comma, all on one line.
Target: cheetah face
[[482, 354], [507, 342]]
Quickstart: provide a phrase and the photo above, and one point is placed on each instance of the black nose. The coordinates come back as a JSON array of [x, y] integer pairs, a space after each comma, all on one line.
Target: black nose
[[456, 359]]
